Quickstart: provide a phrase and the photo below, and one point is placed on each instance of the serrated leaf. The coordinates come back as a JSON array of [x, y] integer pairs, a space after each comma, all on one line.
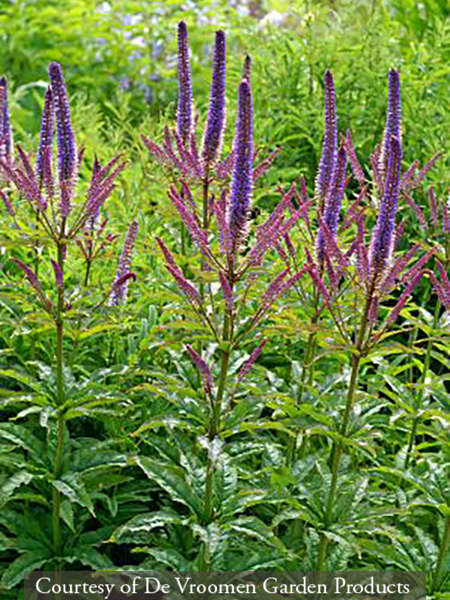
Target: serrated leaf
[[72, 486]]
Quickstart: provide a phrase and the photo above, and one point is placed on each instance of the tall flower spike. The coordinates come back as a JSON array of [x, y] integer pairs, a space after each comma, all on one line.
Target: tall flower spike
[[119, 293], [215, 122], [5, 122], [333, 203], [329, 145], [184, 110], [382, 243], [393, 120], [67, 152], [44, 152], [242, 182]]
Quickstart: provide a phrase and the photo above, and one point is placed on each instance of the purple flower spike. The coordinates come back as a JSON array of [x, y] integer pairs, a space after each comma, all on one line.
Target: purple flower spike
[[333, 203], [5, 122], [67, 152], [184, 110], [241, 189], [119, 293], [44, 153], [393, 120], [329, 145], [382, 243], [212, 140]]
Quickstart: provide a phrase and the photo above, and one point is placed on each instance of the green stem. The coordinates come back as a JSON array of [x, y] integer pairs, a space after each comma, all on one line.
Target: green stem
[[306, 366], [443, 549], [214, 424], [337, 448], [214, 429], [60, 398], [205, 224], [88, 273]]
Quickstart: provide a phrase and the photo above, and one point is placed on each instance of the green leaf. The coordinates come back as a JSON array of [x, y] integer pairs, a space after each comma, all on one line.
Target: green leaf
[[30, 561], [18, 479], [171, 479], [72, 486], [145, 523]]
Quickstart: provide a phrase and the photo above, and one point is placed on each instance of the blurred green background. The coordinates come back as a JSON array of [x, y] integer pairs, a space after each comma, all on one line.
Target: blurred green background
[[120, 63]]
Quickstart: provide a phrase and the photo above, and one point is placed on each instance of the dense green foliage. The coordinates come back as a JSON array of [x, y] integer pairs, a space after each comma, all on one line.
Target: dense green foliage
[[136, 454]]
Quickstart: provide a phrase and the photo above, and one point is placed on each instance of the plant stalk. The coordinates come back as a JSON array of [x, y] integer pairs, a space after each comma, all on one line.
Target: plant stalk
[[337, 448], [443, 549], [60, 398]]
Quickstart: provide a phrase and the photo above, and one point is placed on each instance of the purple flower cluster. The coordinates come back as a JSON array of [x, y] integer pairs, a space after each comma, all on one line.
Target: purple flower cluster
[[5, 122], [185, 108], [67, 152], [215, 122], [242, 182], [329, 145]]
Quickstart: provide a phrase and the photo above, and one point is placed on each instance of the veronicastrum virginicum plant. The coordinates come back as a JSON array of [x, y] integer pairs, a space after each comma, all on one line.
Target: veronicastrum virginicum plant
[[366, 271], [49, 208], [231, 256]]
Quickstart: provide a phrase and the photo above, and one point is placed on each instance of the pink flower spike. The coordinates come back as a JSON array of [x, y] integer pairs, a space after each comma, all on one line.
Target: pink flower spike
[[395, 312], [412, 272], [35, 284], [187, 288], [353, 159], [250, 361], [7, 203], [434, 209], [445, 218], [203, 368], [442, 294], [167, 255], [417, 210], [227, 292]]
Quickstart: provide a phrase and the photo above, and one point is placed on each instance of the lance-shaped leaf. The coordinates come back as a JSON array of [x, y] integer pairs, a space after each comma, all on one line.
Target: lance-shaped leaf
[[184, 109], [212, 139]]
